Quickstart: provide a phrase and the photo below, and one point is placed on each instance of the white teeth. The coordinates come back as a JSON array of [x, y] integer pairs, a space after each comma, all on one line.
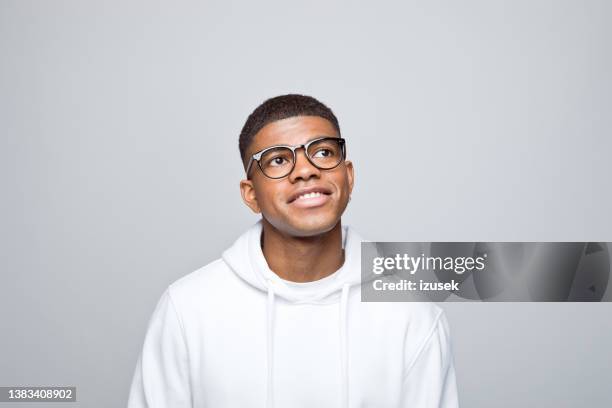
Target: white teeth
[[309, 195]]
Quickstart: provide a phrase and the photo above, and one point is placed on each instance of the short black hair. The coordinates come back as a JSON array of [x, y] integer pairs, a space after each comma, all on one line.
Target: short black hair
[[282, 107]]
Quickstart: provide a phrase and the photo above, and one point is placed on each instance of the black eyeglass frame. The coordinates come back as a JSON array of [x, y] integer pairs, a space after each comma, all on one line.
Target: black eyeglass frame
[[257, 156]]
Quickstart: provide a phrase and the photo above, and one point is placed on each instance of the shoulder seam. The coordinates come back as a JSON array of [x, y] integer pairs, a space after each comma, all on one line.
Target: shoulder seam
[[426, 341]]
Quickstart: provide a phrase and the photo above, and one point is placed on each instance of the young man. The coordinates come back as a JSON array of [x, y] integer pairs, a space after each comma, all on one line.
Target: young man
[[277, 320]]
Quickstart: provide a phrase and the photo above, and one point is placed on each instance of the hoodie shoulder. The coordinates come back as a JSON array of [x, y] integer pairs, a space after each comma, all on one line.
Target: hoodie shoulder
[[206, 278], [424, 316]]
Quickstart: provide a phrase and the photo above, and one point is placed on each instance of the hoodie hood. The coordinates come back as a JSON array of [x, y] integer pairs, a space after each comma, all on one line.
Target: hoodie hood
[[245, 257]]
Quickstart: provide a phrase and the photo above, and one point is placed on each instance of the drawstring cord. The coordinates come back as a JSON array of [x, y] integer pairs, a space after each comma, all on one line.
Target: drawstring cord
[[343, 346], [270, 347]]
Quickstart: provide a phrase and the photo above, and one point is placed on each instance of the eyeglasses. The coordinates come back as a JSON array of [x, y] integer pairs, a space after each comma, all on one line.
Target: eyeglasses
[[276, 162]]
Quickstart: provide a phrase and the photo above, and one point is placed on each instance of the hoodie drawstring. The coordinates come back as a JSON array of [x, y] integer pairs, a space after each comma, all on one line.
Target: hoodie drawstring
[[270, 347], [343, 346]]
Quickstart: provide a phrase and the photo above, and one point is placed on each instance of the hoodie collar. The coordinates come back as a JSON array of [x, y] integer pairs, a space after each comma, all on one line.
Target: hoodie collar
[[245, 258]]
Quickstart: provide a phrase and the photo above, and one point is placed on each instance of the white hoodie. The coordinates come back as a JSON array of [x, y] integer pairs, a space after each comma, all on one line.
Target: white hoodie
[[234, 334]]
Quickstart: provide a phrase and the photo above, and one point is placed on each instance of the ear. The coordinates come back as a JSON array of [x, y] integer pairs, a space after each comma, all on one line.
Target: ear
[[247, 190], [350, 174]]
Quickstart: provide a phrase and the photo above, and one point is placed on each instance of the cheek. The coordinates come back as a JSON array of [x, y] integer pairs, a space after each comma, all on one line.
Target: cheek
[[267, 197], [343, 185]]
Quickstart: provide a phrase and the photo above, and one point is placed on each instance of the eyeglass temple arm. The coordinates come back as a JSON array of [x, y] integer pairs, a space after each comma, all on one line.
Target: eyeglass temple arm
[[256, 156], [248, 167]]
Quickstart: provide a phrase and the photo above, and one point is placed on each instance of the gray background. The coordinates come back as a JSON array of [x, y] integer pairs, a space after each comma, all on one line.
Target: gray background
[[472, 120]]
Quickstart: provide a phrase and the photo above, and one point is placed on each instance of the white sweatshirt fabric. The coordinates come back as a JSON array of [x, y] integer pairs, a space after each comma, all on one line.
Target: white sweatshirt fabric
[[234, 334]]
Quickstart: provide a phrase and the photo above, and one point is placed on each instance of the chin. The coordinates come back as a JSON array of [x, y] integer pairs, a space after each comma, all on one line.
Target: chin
[[310, 228], [305, 226]]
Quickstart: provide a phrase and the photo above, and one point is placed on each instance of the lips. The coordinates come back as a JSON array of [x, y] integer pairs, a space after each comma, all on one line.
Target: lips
[[309, 193]]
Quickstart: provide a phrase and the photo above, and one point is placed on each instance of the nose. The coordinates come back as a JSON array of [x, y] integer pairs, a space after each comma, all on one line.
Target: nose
[[303, 169]]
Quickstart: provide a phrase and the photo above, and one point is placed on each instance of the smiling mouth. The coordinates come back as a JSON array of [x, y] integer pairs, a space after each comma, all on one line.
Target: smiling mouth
[[310, 195], [311, 200]]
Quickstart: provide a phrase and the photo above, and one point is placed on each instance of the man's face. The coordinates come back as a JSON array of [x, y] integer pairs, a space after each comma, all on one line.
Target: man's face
[[281, 201]]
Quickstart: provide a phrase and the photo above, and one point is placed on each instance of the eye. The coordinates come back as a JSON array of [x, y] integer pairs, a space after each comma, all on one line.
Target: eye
[[323, 153], [277, 161]]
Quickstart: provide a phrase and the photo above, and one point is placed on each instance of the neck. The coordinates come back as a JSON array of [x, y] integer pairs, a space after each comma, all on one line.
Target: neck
[[302, 259]]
